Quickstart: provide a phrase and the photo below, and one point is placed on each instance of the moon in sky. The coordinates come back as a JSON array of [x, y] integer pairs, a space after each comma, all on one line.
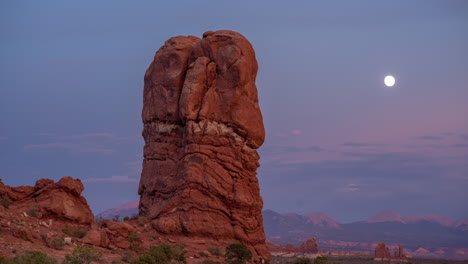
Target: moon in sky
[[389, 81]]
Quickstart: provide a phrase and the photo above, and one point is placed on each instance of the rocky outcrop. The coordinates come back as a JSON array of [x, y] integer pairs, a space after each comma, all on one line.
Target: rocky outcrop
[[202, 126], [309, 246], [61, 200], [382, 252]]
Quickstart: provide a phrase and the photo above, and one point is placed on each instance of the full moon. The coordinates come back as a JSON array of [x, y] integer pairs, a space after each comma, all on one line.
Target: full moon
[[389, 81]]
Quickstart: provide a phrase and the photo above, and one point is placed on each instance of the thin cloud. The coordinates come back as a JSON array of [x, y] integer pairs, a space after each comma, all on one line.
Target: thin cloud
[[296, 132], [351, 187], [63, 146], [361, 144], [113, 179], [3, 138], [94, 136], [464, 136], [430, 138]]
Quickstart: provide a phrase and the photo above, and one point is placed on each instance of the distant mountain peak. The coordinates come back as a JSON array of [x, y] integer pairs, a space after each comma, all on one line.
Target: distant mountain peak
[[321, 219], [386, 216]]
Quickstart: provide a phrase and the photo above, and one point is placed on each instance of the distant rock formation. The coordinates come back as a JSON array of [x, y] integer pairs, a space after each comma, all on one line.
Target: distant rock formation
[[383, 253], [61, 200], [310, 246], [202, 126]]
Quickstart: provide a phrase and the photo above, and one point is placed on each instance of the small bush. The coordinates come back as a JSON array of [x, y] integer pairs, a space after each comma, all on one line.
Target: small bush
[[142, 220], [99, 220], [302, 261], [83, 255], [126, 218], [215, 251], [34, 211], [5, 201], [74, 232], [58, 243], [321, 260], [133, 237], [238, 253], [32, 257], [135, 247], [209, 261], [161, 254], [116, 218], [203, 254], [127, 256], [117, 262]]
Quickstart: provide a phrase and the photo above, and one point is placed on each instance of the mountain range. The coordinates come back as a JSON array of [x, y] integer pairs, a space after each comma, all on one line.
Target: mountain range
[[418, 233]]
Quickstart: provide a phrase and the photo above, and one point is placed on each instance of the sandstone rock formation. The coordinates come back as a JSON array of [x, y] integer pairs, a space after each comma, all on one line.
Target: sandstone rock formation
[[61, 200], [310, 246], [202, 126], [382, 251]]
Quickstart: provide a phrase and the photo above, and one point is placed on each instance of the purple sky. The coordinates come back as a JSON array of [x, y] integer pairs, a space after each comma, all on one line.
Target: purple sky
[[338, 140]]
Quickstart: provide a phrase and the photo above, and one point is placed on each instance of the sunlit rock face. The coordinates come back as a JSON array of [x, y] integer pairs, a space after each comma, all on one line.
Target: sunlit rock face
[[202, 127]]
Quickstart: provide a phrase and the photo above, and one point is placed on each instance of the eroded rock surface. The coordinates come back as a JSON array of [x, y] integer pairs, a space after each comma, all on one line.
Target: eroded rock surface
[[61, 200], [202, 126]]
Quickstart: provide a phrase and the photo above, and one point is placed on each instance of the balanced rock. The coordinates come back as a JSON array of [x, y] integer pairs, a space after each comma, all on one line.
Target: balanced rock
[[202, 127]]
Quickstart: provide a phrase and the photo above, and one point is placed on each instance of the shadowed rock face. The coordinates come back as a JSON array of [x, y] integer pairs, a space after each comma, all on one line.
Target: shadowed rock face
[[202, 126]]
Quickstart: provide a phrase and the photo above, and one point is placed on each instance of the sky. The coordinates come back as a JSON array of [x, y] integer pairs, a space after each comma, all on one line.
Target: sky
[[338, 140]]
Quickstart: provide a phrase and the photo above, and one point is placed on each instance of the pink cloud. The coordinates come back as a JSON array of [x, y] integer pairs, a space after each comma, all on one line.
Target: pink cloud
[[72, 147], [296, 132]]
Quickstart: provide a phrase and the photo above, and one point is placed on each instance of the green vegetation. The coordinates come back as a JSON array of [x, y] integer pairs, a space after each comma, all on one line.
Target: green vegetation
[[83, 255], [161, 254], [126, 218], [238, 253], [74, 232], [34, 211], [5, 201], [302, 260], [142, 220], [30, 257], [215, 251], [58, 243], [133, 237], [209, 261], [127, 256], [203, 254]]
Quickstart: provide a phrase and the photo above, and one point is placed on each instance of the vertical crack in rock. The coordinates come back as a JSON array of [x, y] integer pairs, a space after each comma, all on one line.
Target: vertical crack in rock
[[202, 126]]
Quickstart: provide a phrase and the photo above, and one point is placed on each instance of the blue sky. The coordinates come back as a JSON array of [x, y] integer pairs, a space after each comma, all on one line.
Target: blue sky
[[338, 140]]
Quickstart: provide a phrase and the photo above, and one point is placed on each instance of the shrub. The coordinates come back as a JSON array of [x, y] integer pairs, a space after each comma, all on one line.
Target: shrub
[[161, 254], [215, 251], [209, 261], [321, 260], [133, 237], [142, 220], [126, 218], [116, 218], [203, 254], [58, 243], [127, 256], [238, 253], [117, 262], [83, 255], [74, 232], [34, 211], [5, 201], [32, 257], [302, 261]]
